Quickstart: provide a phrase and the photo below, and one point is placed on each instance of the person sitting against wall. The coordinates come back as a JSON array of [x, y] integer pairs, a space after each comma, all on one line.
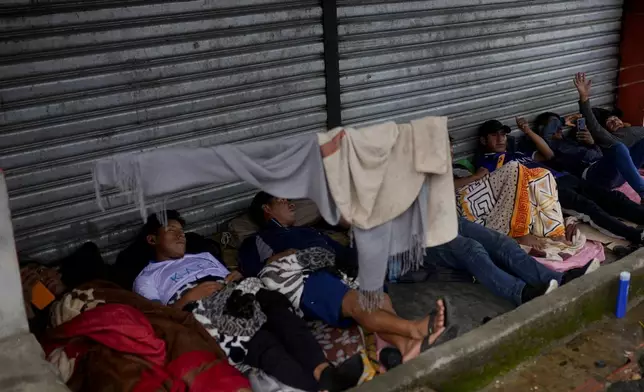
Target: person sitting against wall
[[43, 284], [324, 294], [621, 145], [279, 342], [575, 195], [494, 259]]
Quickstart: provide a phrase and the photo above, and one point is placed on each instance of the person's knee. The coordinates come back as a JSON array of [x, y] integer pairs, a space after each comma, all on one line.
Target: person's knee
[[620, 149], [469, 246], [350, 303]]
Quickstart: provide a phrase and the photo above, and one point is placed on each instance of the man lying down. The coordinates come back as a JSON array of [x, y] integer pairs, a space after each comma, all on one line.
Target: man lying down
[[254, 326], [303, 264]]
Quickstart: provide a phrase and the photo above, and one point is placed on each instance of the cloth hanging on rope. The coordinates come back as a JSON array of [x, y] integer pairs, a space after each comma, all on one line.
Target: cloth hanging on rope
[[292, 168], [393, 183]]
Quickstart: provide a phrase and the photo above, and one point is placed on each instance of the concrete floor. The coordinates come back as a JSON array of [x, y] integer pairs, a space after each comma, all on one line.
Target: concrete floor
[[471, 302], [571, 365]]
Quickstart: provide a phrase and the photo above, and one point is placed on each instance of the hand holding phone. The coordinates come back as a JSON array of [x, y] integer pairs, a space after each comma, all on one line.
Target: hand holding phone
[[581, 123]]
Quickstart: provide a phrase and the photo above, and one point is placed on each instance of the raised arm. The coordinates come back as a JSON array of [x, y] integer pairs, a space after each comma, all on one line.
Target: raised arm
[[602, 137], [544, 152]]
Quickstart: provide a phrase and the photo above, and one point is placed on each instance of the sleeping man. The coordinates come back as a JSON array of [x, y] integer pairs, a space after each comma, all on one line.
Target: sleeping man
[[254, 326], [323, 294]]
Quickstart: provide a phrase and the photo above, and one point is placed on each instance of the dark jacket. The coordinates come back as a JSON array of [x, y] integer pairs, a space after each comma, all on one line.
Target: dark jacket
[[570, 155], [274, 238], [604, 139]]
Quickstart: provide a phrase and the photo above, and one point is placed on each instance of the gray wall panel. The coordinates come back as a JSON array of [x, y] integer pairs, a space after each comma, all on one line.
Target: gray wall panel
[[83, 80], [473, 60]]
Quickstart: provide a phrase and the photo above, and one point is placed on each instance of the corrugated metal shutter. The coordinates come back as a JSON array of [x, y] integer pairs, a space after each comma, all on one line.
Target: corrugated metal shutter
[[473, 60], [82, 80]]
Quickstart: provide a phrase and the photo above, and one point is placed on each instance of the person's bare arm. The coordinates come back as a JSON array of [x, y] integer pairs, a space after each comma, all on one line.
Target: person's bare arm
[[195, 294], [544, 152], [461, 182]]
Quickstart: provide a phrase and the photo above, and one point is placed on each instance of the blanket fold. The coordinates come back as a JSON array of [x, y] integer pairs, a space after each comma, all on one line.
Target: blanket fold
[[393, 183]]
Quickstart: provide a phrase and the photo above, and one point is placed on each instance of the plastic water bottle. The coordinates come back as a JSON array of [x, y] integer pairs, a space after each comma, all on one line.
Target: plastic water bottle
[[622, 295]]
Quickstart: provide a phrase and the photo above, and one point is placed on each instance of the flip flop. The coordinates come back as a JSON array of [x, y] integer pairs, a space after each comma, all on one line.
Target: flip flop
[[450, 332]]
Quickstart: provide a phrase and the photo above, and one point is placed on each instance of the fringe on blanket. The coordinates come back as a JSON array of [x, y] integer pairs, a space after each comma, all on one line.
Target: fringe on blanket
[[127, 173], [402, 263]]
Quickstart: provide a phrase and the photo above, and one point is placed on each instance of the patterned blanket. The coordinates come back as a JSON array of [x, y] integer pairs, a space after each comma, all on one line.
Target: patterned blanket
[[514, 200], [232, 331], [288, 274]]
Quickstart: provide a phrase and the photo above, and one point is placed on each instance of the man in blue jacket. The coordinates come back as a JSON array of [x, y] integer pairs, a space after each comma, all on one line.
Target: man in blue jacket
[[325, 296]]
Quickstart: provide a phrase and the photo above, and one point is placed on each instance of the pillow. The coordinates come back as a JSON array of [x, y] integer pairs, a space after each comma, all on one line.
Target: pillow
[[306, 214]]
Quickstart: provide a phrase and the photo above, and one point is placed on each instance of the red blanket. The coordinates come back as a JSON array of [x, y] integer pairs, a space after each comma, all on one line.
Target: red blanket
[[119, 327], [132, 344]]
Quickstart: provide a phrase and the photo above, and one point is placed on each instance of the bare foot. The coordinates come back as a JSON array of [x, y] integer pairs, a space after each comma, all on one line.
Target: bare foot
[[412, 347], [413, 350], [531, 241], [439, 322], [436, 329]]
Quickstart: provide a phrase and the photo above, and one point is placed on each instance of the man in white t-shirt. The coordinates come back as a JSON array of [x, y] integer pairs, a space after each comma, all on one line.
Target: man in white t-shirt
[[172, 268], [283, 347]]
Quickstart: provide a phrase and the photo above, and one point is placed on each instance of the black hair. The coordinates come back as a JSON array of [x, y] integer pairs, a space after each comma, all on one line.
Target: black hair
[[256, 209], [153, 224], [542, 120], [602, 114]]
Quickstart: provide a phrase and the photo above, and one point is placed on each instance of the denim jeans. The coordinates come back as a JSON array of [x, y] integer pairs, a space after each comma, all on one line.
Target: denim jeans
[[601, 207], [620, 164], [494, 259]]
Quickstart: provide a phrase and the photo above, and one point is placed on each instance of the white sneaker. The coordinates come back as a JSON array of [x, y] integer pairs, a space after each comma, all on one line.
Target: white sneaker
[[552, 286], [593, 266]]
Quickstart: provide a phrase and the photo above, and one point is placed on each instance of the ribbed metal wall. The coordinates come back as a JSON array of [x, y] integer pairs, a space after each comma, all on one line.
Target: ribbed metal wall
[[473, 60], [83, 80]]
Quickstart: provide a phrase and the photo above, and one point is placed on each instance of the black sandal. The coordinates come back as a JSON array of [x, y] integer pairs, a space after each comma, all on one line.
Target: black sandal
[[450, 332]]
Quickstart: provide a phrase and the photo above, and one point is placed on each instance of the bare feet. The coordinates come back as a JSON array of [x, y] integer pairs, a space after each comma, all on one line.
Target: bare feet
[[531, 241], [413, 347], [439, 322]]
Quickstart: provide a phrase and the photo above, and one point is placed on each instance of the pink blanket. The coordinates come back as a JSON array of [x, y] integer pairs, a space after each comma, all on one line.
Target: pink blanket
[[591, 250], [629, 192]]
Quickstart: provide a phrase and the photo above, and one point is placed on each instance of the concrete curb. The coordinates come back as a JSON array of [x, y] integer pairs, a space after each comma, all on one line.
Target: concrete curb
[[471, 361]]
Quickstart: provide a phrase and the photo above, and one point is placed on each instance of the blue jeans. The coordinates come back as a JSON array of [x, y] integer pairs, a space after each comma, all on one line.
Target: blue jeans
[[494, 259], [620, 164]]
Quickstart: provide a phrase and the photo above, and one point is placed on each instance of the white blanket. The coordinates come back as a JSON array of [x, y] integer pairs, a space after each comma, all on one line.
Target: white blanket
[[393, 184], [376, 173]]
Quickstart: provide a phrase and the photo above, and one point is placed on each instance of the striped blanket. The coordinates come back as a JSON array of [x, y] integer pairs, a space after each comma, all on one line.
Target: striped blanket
[[288, 274]]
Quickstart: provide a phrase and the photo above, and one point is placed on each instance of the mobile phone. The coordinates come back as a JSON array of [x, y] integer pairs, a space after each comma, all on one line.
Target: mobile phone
[[41, 296], [581, 123]]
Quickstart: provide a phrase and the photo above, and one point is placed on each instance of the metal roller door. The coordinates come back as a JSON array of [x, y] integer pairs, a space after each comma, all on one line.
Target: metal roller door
[[473, 60], [82, 80]]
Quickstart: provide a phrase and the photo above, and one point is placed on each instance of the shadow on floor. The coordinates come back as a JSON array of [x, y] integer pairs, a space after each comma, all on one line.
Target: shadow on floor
[[471, 302]]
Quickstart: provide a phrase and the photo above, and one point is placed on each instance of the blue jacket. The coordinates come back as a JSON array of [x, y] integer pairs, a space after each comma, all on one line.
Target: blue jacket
[[274, 238]]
